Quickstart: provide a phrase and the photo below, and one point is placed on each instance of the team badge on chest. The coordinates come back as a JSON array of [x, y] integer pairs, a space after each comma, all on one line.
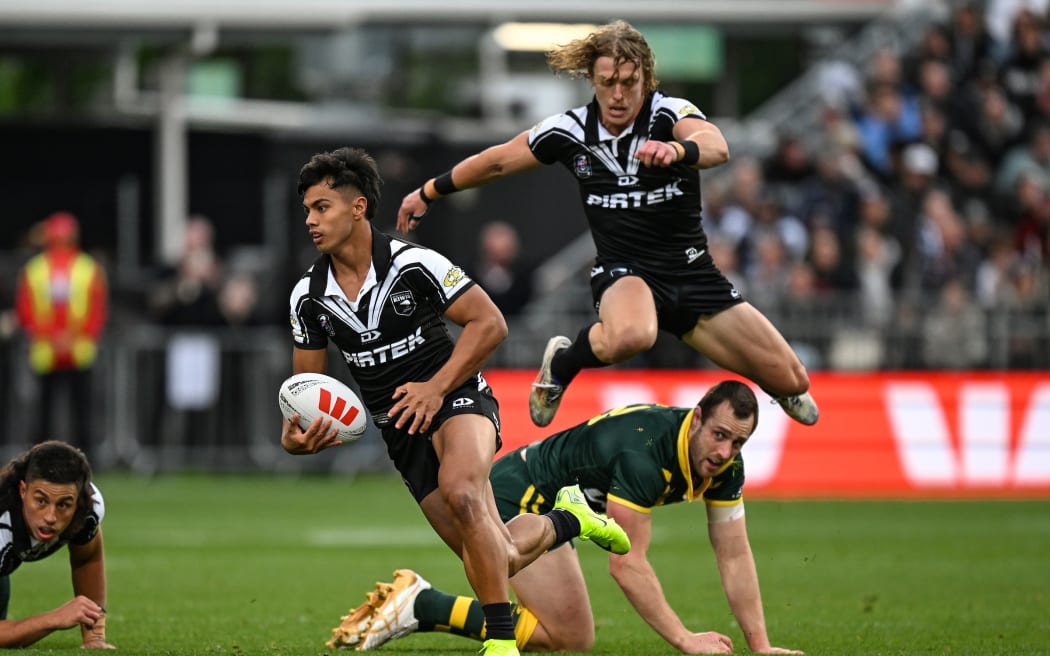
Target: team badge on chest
[[403, 302]]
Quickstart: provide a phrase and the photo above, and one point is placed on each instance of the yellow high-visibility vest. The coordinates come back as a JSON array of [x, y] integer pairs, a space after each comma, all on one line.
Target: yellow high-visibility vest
[[82, 273]]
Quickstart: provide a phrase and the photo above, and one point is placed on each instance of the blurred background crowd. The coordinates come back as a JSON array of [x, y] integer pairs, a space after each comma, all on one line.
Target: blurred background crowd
[[897, 216]]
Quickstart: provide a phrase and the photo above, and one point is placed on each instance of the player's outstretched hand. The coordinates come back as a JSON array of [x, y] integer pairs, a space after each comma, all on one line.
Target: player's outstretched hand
[[710, 642], [411, 212], [318, 436]]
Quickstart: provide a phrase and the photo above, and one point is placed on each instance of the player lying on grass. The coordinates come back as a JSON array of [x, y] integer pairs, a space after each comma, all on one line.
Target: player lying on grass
[[627, 461], [47, 500]]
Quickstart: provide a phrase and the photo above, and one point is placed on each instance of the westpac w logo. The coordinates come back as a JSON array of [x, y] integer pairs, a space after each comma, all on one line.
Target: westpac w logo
[[325, 405], [984, 452]]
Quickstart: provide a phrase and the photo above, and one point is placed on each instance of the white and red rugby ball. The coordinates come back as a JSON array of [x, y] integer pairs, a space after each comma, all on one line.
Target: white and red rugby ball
[[318, 395]]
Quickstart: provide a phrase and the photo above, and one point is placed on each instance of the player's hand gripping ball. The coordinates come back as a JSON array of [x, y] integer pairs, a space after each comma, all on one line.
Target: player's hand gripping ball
[[318, 395]]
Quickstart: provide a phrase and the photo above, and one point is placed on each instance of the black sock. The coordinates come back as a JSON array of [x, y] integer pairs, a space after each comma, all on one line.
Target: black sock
[[499, 623], [569, 361], [566, 526]]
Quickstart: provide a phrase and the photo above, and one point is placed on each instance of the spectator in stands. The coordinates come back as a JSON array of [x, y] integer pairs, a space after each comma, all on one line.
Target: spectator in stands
[[62, 304], [832, 193], [187, 294], [499, 269], [994, 275], [971, 44], [1031, 217], [1023, 306], [740, 203], [954, 331], [1031, 155], [945, 254], [47, 501], [889, 117], [238, 300], [832, 275], [918, 174], [1020, 73], [968, 176], [877, 258], [787, 169], [997, 124], [767, 270]]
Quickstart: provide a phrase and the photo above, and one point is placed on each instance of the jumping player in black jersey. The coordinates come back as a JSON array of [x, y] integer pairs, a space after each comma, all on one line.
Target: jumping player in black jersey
[[635, 154], [47, 501], [381, 301], [629, 461]]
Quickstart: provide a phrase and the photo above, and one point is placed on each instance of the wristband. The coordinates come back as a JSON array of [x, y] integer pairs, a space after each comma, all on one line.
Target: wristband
[[443, 184], [423, 195], [690, 151]]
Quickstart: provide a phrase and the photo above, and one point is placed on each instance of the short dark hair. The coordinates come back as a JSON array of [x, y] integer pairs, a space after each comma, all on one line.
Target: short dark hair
[[342, 167], [54, 462], [740, 397]]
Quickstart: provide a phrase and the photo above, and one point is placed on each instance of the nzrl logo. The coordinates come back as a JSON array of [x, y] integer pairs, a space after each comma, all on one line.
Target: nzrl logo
[[339, 409], [326, 324], [581, 165]]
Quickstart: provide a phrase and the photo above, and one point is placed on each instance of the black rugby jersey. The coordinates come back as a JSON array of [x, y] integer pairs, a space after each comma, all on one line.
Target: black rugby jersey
[[394, 331], [639, 215], [18, 546]]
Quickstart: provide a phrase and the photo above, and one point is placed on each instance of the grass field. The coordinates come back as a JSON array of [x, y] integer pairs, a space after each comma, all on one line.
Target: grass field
[[266, 565]]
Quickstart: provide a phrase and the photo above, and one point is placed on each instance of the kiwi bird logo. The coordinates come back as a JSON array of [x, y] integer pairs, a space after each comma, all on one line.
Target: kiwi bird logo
[[335, 407], [404, 303]]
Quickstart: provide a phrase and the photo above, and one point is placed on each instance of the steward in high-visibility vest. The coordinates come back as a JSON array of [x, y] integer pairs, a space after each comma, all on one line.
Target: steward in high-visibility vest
[[61, 301]]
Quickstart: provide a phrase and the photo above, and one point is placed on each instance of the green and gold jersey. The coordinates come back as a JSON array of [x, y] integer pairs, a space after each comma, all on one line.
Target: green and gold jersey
[[637, 455]]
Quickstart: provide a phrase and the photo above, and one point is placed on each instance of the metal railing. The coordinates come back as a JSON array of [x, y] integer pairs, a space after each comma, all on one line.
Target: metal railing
[[192, 400]]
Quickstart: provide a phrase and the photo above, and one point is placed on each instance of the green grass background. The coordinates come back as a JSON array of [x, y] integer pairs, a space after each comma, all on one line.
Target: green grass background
[[267, 564]]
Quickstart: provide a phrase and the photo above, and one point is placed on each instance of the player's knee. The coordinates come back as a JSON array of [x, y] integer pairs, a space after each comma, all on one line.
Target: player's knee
[[629, 343], [464, 500], [578, 640]]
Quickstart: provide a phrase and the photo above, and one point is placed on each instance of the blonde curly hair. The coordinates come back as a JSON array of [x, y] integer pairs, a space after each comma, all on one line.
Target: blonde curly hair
[[618, 40]]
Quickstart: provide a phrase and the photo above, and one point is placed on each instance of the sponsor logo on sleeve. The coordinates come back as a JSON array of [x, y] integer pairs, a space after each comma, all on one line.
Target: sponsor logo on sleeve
[[454, 276]]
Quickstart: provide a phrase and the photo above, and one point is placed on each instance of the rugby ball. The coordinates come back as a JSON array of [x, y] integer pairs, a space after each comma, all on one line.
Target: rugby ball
[[318, 395]]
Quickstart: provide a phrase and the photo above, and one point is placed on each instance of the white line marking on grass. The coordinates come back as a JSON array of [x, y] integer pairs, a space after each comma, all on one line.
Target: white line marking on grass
[[373, 537]]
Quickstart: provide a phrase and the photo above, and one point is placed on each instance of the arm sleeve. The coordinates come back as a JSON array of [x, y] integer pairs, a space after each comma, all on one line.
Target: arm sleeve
[[306, 332]]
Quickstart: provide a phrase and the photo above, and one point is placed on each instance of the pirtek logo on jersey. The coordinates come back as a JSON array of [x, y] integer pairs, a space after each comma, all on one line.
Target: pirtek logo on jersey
[[636, 198], [387, 352], [325, 405]]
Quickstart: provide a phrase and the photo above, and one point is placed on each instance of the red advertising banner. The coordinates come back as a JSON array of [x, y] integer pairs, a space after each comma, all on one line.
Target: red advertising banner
[[880, 435]]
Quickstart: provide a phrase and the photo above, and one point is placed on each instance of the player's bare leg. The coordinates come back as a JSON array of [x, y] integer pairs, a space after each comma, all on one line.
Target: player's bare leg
[[565, 622], [742, 340], [627, 323], [466, 446]]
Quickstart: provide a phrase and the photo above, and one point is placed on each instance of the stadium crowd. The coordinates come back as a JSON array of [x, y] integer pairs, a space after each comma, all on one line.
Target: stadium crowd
[[915, 225]]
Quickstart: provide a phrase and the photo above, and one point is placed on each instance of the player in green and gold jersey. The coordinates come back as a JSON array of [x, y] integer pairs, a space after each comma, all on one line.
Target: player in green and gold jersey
[[627, 461]]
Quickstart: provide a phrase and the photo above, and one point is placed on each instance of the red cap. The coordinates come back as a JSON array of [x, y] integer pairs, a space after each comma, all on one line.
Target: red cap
[[60, 227]]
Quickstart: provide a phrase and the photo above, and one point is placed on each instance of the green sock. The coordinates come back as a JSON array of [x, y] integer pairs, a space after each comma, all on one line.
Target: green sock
[[440, 611]]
